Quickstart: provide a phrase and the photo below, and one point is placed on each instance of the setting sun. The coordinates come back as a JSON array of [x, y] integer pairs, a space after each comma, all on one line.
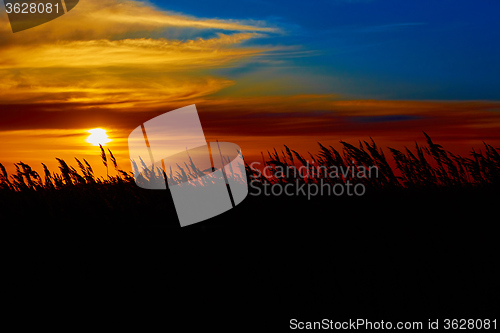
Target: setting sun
[[98, 136]]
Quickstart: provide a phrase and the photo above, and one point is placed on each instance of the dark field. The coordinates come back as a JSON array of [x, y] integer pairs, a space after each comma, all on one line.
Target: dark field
[[421, 246]]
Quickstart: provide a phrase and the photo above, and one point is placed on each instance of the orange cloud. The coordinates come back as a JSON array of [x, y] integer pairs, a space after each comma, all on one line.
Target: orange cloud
[[97, 54], [102, 19], [143, 53]]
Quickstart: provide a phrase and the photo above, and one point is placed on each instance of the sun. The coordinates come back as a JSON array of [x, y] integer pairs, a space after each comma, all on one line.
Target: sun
[[97, 136]]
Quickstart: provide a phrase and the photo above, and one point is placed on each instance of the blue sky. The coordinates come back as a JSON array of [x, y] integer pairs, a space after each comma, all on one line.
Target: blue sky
[[381, 49]]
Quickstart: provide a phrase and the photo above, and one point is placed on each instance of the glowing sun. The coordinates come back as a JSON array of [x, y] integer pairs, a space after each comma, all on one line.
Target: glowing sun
[[98, 136]]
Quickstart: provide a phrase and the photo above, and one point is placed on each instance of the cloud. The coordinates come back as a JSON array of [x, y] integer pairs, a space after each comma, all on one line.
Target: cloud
[[307, 118], [98, 19], [98, 53], [128, 52], [114, 87]]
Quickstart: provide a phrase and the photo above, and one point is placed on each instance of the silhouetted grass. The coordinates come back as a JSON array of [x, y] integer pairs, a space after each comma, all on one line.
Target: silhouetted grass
[[425, 231], [427, 166]]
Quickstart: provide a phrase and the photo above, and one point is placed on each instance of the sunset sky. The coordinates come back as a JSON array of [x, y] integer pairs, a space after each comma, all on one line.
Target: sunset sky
[[261, 73]]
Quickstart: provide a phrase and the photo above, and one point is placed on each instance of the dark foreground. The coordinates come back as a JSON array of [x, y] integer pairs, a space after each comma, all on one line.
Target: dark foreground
[[389, 255]]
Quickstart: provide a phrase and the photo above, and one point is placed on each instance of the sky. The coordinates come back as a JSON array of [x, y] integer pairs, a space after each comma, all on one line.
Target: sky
[[400, 49], [261, 73]]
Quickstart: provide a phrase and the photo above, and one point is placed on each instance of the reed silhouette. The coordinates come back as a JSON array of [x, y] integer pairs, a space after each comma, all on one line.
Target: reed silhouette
[[426, 166], [77, 194], [421, 241]]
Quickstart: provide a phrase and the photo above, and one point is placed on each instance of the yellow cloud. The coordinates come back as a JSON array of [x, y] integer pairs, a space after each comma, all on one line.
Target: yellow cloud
[[113, 88], [102, 19], [129, 52], [96, 53]]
